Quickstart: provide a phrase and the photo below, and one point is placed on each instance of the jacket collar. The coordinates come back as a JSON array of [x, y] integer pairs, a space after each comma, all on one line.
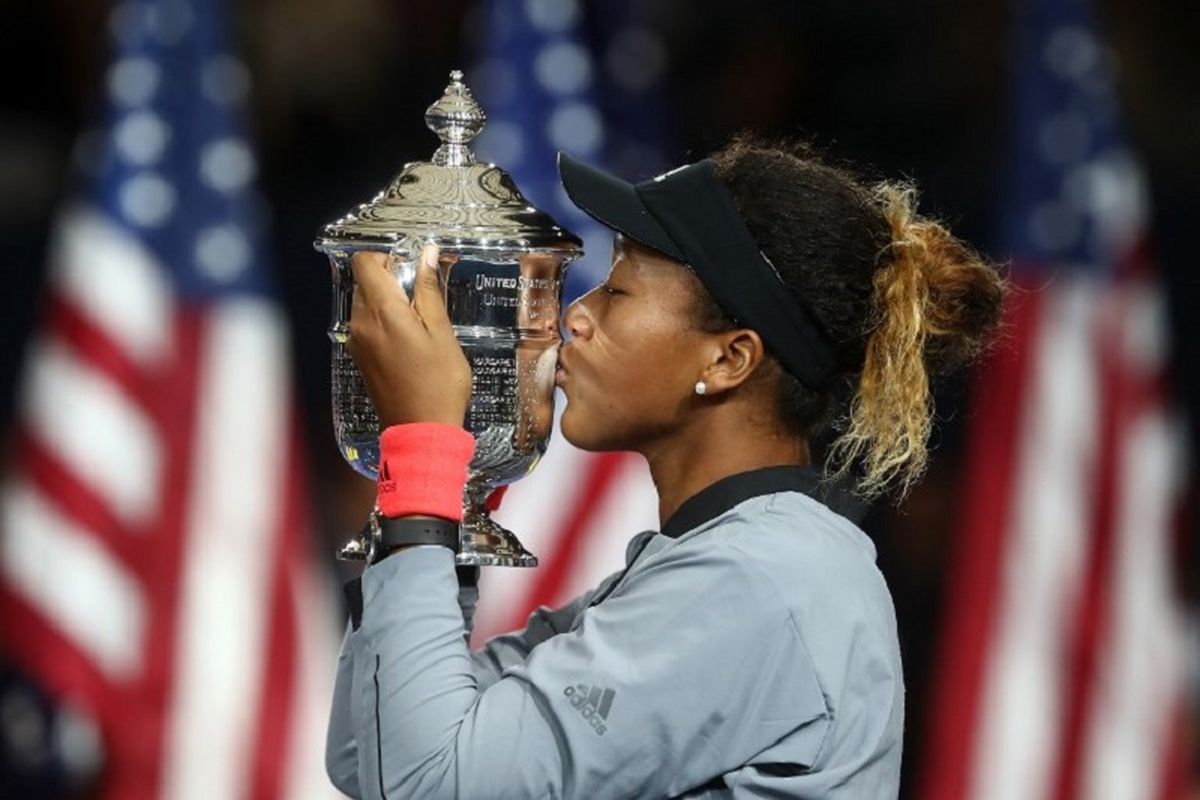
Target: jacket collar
[[714, 500]]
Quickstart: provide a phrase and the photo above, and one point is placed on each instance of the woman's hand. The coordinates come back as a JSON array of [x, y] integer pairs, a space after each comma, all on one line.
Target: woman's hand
[[413, 365]]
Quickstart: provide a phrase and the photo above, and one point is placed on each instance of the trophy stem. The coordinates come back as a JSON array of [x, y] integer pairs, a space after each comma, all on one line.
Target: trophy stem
[[485, 543]]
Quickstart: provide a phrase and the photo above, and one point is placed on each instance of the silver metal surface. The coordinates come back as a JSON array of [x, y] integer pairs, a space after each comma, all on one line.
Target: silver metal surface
[[501, 269]]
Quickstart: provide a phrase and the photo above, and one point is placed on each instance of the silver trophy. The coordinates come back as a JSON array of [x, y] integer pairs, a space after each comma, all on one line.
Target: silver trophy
[[501, 270]]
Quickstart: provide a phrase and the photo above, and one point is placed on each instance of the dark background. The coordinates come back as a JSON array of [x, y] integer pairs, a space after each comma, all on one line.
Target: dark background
[[919, 89]]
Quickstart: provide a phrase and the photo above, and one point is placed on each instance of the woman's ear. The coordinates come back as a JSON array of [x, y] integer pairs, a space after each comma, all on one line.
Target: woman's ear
[[736, 355]]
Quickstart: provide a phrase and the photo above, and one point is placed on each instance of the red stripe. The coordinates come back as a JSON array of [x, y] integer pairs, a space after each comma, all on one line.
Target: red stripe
[[94, 346], [276, 706], [1123, 390], [1173, 775], [76, 500], [1001, 384], [140, 741], [45, 653], [557, 566]]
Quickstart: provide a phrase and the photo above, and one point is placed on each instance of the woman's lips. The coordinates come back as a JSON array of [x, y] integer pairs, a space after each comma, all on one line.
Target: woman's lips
[[560, 370]]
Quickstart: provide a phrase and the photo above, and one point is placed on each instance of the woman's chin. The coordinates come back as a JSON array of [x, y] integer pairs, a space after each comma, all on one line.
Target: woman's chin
[[575, 428], [568, 426], [584, 432]]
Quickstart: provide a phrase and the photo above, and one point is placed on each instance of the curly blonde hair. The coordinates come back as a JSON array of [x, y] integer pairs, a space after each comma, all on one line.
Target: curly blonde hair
[[901, 299], [923, 301]]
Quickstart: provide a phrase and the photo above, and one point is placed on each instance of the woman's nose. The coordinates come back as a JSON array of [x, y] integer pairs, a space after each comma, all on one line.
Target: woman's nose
[[576, 319]]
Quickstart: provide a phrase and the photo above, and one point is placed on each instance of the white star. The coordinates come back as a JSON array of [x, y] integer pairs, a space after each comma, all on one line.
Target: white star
[[227, 165], [141, 138], [576, 127], [563, 68], [133, 81], [146, 199], [222, 252], [552, 16]]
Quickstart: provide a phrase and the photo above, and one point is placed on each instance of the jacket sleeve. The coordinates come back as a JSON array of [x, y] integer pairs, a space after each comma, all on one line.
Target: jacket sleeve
[[513, 649], [623, 705], [341, 749]]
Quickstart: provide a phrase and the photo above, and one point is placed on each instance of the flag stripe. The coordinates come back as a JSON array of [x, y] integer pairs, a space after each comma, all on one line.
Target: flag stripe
[[629, 506], [136, 767], [229, 540], [1174, 765], [66, 574], [1046, 542], [997, 410], [314, 650], [1090, 616], [279, 680], [89, 436], [1138, 676], [60, 663], [76, 501], [602, 471], [319, 634], [115, 282], [68, 324]]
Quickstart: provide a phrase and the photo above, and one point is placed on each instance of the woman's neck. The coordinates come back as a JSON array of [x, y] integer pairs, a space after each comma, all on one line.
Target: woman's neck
[[713, 449]]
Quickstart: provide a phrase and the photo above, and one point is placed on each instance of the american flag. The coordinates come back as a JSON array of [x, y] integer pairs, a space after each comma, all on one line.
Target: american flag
[[551, 77], [155, 571], [1062, 663]]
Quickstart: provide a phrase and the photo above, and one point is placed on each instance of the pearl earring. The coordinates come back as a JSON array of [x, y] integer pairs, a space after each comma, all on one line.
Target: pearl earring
[[701, 387]]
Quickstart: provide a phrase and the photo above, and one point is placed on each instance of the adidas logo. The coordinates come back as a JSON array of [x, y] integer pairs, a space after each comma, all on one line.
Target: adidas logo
[[592, 702], [386, 484]]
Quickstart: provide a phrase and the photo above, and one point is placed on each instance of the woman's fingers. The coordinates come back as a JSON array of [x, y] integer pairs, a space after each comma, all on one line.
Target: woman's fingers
[[413, 366], [428, 301], [374, 284], [379, 310]]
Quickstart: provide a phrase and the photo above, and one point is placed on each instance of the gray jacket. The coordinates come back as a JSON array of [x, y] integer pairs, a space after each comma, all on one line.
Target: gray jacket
[[747, 650]]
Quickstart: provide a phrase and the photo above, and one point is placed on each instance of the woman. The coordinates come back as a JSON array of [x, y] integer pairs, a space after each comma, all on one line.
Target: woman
[[749, 647]]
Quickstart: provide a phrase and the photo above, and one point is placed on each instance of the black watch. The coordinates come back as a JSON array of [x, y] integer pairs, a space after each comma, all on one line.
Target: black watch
[[388, 533]]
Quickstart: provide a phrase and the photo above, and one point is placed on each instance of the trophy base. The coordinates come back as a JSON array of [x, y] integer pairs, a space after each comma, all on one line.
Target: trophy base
[[486, 544]]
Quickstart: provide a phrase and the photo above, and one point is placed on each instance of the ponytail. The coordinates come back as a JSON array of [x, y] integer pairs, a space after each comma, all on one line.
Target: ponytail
[[934, 301]]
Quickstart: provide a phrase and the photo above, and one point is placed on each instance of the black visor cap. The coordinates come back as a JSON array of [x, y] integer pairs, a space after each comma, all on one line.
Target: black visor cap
[[689, 215], [615, 204]]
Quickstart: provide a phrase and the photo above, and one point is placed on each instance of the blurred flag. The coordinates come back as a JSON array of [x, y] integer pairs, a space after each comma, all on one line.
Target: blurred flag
[[154, 553], [1063, 657], [552, 77]]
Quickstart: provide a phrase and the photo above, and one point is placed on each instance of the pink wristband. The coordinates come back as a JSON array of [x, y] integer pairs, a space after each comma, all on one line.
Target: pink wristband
[[423, 469]]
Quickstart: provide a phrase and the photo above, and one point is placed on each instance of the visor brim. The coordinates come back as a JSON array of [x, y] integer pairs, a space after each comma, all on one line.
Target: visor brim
[[615, 204]]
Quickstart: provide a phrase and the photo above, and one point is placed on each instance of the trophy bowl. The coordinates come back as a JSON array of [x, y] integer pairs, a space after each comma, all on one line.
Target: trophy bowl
[[501, 267]]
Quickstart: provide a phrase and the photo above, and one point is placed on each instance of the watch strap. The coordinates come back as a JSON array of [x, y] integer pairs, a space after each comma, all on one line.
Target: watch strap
[[404, 531]]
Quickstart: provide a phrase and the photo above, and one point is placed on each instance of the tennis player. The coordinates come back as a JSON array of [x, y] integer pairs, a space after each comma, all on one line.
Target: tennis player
[[748, 648]]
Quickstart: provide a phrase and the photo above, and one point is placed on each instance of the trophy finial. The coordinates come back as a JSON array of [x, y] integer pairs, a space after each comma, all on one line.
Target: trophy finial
[[457, 119]]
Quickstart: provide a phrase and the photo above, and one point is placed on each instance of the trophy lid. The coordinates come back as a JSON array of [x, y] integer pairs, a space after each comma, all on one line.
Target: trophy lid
[[451, 199]]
